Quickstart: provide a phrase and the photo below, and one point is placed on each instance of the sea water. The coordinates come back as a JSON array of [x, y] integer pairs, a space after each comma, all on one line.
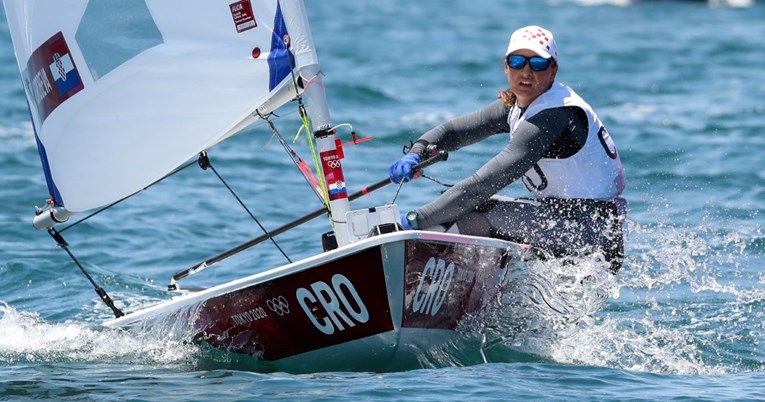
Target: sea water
[[681, 87]]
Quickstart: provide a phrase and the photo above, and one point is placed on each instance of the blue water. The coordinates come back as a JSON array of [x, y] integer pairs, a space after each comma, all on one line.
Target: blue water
[[681, 86]]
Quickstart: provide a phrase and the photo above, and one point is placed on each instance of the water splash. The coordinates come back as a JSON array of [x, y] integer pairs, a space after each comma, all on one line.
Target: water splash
[[667, 311], [543, 302], [26, 337]]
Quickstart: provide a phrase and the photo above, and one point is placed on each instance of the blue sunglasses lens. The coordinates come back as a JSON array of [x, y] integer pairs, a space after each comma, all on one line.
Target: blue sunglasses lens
[[539, 64], [516, 62]]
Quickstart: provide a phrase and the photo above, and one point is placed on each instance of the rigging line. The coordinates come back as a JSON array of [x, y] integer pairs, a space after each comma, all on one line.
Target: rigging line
[[440, 156], [315, 155], [125, 198], [400, 184], [99, 290], [208, 164], [306, 171], [258, 124], [307, 126], [398, 189], [433, 179]]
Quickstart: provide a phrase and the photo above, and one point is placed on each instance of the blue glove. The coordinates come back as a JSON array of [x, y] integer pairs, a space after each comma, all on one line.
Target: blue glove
[[405, 222], [402, 168]]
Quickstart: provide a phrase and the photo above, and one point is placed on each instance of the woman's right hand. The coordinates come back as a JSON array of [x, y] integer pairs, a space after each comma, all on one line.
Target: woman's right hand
[[402, 168]]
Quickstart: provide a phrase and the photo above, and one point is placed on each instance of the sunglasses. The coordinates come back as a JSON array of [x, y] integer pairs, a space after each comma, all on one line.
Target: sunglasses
[[517, 62]]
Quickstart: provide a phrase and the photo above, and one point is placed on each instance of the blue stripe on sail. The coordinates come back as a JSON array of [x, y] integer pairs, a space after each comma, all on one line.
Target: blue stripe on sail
[[52, 189], [280, 58]]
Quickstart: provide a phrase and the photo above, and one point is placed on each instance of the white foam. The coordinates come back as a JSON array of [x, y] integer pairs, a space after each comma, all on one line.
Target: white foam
[[26, 337], [669, 313]]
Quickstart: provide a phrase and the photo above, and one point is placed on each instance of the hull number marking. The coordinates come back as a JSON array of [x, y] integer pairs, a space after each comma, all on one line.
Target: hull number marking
[[438, 277], [332, 307]]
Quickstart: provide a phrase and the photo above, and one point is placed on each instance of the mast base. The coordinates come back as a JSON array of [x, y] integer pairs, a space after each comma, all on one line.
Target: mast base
[[47, 218]]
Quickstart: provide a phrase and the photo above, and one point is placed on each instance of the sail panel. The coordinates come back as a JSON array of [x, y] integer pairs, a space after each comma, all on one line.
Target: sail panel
[[279, 57], [110, 33], [144, 103]]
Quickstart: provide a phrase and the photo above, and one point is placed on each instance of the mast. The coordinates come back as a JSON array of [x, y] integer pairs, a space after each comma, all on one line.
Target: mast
[[308, 66]]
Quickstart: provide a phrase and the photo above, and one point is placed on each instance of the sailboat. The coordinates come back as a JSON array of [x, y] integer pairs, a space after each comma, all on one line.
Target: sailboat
[[162, 82]]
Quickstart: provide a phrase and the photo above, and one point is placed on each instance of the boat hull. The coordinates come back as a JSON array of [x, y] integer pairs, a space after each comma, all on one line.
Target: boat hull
[[373, 304]]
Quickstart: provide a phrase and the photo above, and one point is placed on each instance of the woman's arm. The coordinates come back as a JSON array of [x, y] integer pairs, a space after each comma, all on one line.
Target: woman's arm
[[466, 129], [528, 145]]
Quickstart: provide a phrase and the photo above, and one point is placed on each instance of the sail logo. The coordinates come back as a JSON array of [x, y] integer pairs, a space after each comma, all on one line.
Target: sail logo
[[64, 74], [40, 86], [51, 65], [332, 307], [433, 288], [333, 173], [244, 18]]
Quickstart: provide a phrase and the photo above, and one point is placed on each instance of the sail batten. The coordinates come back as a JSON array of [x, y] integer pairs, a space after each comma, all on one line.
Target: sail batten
[[117, 105]]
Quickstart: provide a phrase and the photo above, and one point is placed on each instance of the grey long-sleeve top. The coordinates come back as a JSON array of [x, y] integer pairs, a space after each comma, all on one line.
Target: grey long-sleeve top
[[551, 133]]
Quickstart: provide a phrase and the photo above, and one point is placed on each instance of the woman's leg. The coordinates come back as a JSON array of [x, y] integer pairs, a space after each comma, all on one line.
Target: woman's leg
[[559, 227]]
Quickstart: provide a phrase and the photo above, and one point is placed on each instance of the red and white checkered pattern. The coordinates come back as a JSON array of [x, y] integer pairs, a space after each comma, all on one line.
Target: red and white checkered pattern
[[536, 39]]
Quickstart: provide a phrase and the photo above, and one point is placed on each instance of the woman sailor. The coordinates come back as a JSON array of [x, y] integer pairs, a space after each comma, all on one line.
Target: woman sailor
[[559, 149]]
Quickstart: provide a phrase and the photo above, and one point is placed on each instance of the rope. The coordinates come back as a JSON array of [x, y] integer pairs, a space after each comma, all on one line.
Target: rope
[[208, 164], [99, 290], [311, 81], [306, 125], [308, 174], [315, 155], [433, 179], [398, 189]]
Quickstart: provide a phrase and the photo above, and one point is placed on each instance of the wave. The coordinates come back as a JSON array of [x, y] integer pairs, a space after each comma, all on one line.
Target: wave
[[625, 3]]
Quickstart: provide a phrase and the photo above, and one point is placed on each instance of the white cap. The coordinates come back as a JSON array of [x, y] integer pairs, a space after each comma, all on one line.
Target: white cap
[[536, 39]]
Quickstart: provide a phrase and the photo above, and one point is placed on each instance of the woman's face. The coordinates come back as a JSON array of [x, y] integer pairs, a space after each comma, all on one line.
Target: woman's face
[[526, 83]]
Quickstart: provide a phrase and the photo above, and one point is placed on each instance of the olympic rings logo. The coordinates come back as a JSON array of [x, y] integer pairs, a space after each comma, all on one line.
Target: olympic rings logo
[[279, 305], [333, 163]]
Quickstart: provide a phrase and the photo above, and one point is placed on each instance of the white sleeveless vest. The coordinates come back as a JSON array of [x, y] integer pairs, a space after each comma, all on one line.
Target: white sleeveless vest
[[594, 172]]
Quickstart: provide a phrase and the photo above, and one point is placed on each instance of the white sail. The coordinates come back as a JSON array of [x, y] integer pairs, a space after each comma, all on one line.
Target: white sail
[[123, 92]]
